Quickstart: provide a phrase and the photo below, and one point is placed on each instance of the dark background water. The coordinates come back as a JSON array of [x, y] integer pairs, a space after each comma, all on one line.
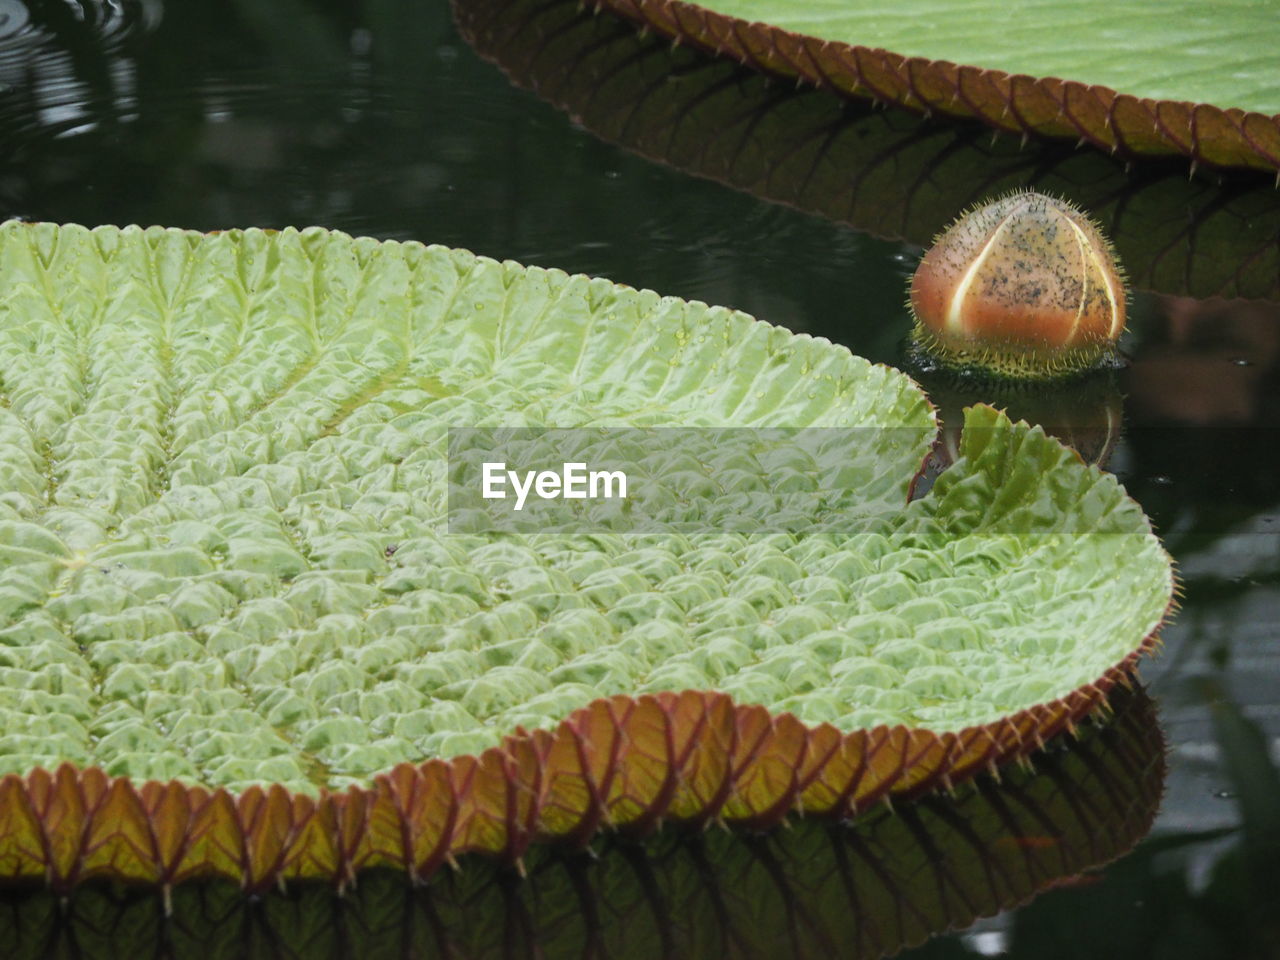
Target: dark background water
[[377, 118]]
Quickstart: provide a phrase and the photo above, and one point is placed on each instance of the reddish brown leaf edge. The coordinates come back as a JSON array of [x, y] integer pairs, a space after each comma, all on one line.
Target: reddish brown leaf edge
[[1017, 103], [623, 762]]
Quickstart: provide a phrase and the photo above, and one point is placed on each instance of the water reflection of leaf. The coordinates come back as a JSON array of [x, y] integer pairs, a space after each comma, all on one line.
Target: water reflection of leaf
[[1154, 906], [884, 172], [867, 889]]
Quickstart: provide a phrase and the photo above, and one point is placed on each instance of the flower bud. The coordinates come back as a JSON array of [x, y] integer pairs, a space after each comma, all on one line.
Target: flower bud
[[1025, 287]]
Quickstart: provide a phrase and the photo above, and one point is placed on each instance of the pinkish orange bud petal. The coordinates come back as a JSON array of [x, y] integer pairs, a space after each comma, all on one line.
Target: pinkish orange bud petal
[[1025, 286]]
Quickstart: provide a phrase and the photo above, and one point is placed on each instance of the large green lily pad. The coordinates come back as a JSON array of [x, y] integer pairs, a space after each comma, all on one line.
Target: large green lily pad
[[1140, 76], [227, 565]]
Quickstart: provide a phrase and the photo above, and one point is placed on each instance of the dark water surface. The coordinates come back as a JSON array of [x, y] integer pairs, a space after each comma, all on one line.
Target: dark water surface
[[661, 169]]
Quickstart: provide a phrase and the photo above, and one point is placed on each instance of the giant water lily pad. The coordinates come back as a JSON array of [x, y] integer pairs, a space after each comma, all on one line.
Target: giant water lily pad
[[237, 635], [1142, 77]]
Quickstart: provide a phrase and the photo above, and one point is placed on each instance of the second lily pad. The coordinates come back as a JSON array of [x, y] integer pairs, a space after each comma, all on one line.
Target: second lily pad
[[1143, 77]]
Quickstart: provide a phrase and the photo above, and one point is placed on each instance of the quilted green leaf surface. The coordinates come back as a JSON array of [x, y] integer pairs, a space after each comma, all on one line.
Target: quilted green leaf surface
[[225, 556]]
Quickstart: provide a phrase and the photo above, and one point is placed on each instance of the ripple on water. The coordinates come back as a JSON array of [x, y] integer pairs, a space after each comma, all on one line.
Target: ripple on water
[[51, 54], [109, 21]]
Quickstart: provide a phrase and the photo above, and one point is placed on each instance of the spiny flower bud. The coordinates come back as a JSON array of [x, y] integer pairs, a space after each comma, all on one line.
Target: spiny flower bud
[[1025, 287]]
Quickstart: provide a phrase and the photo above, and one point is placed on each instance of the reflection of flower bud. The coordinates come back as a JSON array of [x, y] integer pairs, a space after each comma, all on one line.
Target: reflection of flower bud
[[1025, 287]]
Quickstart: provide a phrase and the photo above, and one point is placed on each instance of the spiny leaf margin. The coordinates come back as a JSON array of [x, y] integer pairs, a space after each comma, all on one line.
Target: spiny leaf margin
[[622, 763]]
